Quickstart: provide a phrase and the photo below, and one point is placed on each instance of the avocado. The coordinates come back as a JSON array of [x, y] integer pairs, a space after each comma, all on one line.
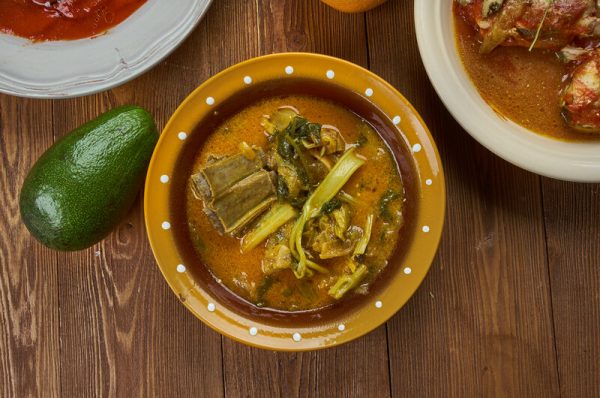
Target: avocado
[[85, 183]]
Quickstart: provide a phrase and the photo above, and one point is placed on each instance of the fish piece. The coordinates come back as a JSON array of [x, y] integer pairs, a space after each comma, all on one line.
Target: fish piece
[[580, 98], [550, 24]]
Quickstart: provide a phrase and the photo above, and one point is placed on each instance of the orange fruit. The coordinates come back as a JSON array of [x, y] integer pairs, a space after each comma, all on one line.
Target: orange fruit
[[353, 5]]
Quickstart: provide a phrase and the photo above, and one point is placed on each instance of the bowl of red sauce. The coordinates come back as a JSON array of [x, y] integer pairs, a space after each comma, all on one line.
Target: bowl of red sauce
[[68, 48]]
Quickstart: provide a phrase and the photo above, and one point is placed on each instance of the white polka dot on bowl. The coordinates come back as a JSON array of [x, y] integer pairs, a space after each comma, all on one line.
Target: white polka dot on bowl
[[330, 74], [396, 120], [407, 270], [428, 181], [297, 336], [166, 225], [369, 92], [181, 268], [416, 148], [378, 304], [211, 307], [425, 228], [341, 327], [210, 101], [164, 178], [289, 70], [247, 80], [253, 331], [182, 135]]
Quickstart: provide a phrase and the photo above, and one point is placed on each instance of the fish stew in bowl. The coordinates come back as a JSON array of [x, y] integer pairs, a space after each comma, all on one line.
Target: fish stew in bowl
[[294, 205], [535, 63]]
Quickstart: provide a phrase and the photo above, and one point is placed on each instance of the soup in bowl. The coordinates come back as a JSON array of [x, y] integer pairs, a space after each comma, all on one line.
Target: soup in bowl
[[295, 202], [515, 102]]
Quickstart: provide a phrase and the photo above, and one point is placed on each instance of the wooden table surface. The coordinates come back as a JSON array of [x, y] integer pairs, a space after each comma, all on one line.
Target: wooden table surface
[[511, 306]]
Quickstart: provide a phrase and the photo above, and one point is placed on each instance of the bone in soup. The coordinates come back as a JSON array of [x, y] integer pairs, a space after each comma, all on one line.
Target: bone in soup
[[295, 203]]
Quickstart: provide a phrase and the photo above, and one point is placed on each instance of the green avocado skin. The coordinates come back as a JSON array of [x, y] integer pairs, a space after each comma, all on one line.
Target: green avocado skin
[[85, 183]]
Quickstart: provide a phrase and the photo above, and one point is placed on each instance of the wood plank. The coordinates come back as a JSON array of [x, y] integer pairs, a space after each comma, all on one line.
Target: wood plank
[[356, 369], [310, 26], [123, 332], [29, 347], [359, 368], [481, 324], [572, 214]]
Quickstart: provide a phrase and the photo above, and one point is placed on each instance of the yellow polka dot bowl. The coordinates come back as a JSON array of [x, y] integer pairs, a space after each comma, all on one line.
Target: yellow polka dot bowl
[[371, 98]]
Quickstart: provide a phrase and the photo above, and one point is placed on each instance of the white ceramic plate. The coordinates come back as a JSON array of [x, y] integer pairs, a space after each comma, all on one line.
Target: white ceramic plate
[[553, 158], [72, 68]]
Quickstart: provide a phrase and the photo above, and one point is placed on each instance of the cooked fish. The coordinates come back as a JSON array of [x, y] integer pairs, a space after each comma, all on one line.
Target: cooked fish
[[549, 24], [580, 99]]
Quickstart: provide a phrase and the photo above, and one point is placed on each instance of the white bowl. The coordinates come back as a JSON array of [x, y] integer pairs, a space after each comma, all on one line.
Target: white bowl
[[573, 161], [72, 68]]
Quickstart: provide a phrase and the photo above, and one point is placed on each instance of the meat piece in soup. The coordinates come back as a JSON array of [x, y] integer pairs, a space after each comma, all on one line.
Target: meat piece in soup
[[580, 99], [331, 222]]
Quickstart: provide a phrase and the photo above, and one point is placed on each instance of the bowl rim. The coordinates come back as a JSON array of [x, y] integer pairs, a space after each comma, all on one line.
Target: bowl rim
[[431, 193], [564, 160]]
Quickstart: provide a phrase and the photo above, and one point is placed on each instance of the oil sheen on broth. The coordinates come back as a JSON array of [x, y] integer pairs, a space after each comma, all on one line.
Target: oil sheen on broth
[[242, 273], [520, 85]]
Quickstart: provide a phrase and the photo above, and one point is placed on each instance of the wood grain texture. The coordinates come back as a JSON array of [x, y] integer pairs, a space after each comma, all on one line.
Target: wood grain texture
[[572, 213], [357, 369], [123, 332], [511, 306], [481, 324], [29, 339]]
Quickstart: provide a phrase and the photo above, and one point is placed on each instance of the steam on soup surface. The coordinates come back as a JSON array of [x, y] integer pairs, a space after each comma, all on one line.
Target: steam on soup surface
[[295, 203]]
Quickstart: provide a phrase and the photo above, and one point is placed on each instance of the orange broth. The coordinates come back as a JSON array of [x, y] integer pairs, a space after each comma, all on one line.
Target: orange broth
[[520, 85], [241, 273]]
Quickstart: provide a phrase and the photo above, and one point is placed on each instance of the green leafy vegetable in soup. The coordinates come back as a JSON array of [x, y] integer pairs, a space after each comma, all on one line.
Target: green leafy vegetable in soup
[[290, 218]]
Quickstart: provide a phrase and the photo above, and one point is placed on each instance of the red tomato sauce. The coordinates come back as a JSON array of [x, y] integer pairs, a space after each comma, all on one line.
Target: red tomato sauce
[[43, 20]]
